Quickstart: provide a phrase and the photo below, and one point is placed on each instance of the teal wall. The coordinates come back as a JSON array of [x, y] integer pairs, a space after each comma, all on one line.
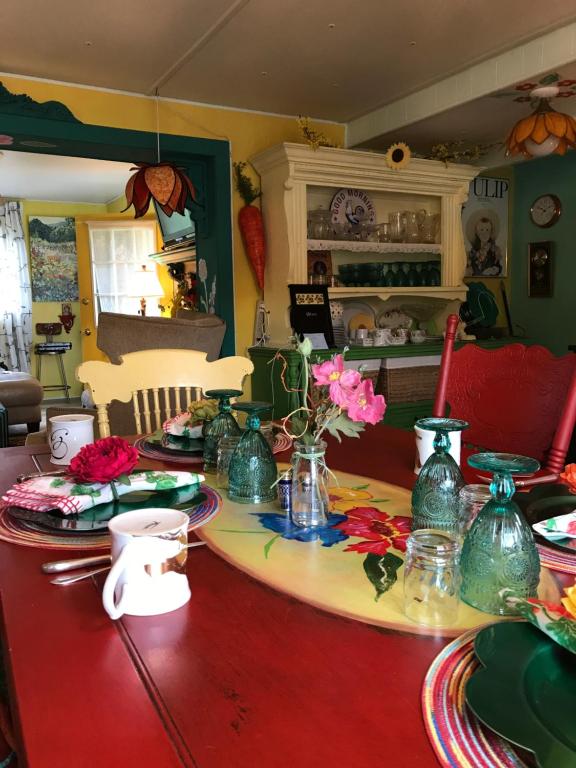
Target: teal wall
[[551, 322]]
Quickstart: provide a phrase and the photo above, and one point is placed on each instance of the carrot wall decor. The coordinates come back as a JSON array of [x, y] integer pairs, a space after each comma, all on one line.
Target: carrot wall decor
[[251, 223]]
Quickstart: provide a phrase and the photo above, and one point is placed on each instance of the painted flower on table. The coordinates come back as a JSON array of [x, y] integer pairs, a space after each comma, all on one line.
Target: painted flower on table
[[379, 530], [328, 534], [344, 499]]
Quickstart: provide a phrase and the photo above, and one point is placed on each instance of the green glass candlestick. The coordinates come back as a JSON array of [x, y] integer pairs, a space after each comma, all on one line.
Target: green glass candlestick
[[252, 472], [222, 425]]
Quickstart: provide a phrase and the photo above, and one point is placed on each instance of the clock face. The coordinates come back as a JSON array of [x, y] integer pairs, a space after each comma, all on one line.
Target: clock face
[[546, 210]]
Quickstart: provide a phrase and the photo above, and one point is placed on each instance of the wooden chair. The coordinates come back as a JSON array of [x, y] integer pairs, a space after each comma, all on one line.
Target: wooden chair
[[159, 383], [517, 399]]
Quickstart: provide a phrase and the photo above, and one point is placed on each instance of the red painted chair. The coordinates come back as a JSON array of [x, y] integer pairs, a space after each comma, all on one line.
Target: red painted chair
[[517, 399]]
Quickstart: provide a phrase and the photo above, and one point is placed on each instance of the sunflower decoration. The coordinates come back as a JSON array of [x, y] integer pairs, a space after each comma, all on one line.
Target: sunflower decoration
[[313, 137], [398, 156], [545, 131], [164, 182]]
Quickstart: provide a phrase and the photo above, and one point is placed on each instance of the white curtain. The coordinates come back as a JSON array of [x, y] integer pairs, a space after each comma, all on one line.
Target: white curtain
[[15, 291]]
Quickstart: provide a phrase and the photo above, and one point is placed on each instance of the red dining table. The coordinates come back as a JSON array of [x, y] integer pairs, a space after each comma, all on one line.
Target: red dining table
[[241, 677]]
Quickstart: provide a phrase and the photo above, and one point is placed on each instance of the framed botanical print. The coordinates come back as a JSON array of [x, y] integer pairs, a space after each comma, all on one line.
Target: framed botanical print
[[485, 227], [540, 265]]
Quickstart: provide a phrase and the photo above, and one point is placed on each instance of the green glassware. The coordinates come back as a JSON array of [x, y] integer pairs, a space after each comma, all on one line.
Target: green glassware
[[435, 502], [222, 425], [499, 550], [252, 472]]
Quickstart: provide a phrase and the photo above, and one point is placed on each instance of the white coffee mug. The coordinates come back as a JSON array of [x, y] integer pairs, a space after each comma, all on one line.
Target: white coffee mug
[[69, 433], [148, 574], [425, 446]]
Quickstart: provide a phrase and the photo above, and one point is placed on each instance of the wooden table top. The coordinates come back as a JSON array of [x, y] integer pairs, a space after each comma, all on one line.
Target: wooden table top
[[241, 677]]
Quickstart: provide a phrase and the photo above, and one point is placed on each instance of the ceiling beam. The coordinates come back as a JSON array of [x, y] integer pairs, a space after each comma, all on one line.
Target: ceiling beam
[[550, 51]]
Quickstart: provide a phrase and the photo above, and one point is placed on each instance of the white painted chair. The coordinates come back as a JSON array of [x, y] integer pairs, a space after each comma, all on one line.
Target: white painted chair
[[159, 382]]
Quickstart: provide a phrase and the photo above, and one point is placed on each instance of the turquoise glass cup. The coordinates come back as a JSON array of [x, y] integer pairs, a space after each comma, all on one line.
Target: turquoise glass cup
[[499, 551], [222, 425], [252, 473], [435, 502]]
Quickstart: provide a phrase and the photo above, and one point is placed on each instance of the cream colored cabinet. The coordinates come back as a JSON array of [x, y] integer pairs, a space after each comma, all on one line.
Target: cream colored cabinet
[[297, 179]]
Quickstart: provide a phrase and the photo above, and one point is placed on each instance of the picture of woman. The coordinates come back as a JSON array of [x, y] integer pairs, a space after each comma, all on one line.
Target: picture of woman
[[484, 254]]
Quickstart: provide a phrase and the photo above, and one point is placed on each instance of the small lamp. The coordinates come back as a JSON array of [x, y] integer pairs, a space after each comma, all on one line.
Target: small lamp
[[545, 131], [146, 285]]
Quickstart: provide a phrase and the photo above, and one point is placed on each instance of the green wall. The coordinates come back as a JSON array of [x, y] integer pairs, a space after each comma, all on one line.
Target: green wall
[[548, 321]]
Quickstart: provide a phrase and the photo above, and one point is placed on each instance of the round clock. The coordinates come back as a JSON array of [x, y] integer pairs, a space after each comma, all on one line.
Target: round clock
[[546, 210]]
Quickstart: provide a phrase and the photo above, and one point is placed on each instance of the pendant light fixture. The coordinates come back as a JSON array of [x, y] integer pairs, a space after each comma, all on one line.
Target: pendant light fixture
[[545, 131]]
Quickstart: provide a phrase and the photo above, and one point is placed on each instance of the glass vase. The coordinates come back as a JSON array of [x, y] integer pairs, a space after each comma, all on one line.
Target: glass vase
[[499, 550], [252, 472], [310, 503], [435, 494], [222, 425]]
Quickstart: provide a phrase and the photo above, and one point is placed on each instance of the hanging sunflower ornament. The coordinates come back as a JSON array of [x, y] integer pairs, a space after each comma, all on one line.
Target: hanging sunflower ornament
[[398, 156]]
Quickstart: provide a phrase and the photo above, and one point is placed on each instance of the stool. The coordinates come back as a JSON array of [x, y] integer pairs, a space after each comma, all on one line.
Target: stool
[[54, 349], [21, 395]]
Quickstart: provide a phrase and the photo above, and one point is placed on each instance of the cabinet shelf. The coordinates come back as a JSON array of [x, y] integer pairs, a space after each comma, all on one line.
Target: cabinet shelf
[[384, 293], [364, 247]]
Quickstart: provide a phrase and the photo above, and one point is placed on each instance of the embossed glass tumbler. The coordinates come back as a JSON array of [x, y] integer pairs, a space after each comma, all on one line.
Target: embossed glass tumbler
[[222, 425], [252, 472], [310, 503], [499, 550], [435, 493]]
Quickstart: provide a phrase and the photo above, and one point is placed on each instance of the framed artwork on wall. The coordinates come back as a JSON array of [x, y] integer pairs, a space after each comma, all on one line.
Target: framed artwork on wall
[[540, 264], [53, 261], [485, 227]]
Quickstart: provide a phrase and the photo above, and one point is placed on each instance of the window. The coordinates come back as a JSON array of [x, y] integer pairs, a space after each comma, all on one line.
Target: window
[[118, 251]]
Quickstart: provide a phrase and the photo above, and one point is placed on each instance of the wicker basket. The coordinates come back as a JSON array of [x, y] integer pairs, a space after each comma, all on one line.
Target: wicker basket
[[407, 385]]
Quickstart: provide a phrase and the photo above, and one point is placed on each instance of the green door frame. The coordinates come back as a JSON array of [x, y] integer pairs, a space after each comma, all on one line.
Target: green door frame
[[206, 160]]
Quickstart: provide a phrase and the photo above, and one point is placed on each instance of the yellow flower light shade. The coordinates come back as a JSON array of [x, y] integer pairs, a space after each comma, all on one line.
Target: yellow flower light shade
[[544, 132]]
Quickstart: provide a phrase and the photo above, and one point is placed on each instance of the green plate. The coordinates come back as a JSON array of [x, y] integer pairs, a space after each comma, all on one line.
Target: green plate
[[546, 501], [172, 443], [95, 520], [526, 691]]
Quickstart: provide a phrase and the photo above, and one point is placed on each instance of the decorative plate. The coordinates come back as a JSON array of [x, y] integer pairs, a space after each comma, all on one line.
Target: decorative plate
[[179, 427], [394, 318], [352, 206], [553, 620], [526, 691], [543, 502]]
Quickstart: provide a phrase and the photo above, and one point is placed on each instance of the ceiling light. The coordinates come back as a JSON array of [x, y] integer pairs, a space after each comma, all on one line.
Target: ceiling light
[[332, 25], [264, 73], [545, 131]]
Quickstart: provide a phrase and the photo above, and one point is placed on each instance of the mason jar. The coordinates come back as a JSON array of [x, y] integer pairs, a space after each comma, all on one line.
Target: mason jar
[[226, 447], [432, 577], [471, 499]]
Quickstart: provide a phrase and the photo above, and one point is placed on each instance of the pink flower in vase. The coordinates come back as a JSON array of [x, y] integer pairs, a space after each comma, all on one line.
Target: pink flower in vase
[[339, 381], [363, 405]]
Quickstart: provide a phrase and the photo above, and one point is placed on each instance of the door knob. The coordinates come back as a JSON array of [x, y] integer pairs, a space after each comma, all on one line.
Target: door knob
[[87, 332], [85, 302]]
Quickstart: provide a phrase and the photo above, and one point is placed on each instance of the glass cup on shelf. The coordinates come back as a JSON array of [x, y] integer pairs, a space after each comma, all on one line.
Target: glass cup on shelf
[[432, 578], [384, 232], [499, 551], [429, 226], [222, 425], [252, 472], [396, 223], [435, 496], [411, 229]]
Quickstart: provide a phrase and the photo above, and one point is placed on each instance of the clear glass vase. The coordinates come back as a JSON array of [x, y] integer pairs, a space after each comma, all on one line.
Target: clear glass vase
[[310, 501], [222, 425], [499, 550], [252, 472], [435, 501]]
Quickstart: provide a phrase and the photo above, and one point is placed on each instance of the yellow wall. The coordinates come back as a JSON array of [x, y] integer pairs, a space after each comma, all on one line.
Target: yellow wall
[[248, 133]]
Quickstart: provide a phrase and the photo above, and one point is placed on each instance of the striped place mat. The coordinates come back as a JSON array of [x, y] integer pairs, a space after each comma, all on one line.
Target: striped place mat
[[557, 560], [281, 443], [16, 532], [457, 736]]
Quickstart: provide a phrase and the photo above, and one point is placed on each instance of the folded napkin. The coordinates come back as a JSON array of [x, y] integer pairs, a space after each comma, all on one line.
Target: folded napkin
[[41, 494], [561, 527]]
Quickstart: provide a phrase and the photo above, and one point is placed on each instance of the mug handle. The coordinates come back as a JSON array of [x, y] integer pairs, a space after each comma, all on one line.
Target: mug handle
[[139, 551]]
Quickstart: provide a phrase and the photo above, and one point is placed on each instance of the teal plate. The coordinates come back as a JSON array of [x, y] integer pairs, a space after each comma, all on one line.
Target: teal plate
[[179, 444], [525, 691], [95, 520]]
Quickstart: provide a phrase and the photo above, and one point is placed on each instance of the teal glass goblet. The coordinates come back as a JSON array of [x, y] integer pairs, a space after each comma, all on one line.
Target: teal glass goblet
[[252, 472], [499, 550], [222, 425], [435, 502]]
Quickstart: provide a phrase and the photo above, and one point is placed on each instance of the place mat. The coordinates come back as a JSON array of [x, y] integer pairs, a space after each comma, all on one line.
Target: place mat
[[457, 736], [353, 567], [556, 559], [13, 531], [281, 443]]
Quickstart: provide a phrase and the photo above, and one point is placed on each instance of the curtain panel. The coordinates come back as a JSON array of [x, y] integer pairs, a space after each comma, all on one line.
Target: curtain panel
[[16, 293]]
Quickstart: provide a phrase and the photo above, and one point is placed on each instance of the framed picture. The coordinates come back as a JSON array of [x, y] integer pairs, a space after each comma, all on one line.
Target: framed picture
[[319, 267], [53, 262], [540, 269], [485, 227], [310, 311]]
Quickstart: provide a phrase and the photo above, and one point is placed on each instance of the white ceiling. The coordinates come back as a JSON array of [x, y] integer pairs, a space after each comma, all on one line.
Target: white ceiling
[[31, 176], [331, 59]]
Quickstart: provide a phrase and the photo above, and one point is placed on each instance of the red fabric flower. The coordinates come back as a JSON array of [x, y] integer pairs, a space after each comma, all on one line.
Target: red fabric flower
[[379, 528], [104, 460]]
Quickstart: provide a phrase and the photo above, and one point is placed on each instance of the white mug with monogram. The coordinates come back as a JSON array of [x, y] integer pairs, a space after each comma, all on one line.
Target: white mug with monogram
[[69, 433], [425, 446], [148, 574]]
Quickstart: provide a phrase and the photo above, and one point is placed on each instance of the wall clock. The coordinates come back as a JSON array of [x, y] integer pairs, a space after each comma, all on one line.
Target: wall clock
[[546, 210]]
